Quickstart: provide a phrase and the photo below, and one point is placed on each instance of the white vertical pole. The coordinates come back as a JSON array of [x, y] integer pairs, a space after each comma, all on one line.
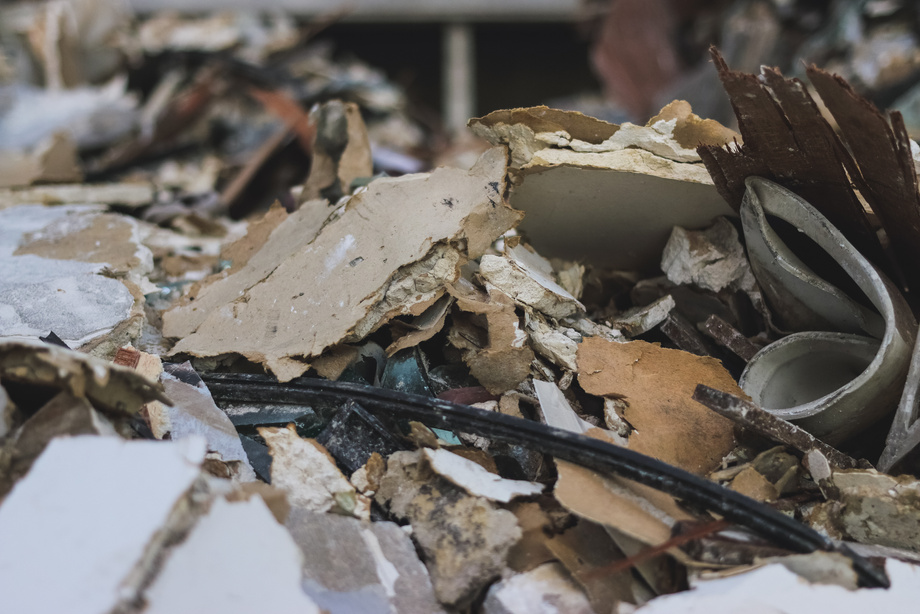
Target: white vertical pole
[[458, 76]]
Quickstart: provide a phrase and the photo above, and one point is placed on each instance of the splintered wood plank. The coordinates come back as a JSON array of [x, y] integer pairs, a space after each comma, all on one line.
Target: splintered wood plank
[[787, 140], [882, 151]]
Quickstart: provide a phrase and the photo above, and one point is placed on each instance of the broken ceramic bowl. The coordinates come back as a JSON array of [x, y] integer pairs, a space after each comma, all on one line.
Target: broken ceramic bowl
[[846, 370]]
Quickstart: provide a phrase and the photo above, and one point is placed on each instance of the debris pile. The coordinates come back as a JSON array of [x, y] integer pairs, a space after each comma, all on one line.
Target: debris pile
[[608, 368]]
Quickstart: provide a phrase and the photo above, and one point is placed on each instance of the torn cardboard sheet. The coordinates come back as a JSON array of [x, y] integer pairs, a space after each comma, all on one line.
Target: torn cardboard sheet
[[237, 559], [373, 566], [303, 469], [465, 540], [669, 425], [193, 412], [52, 261], [124, 498], [108, 387], [475, 480], [614, 208], [315, 288]]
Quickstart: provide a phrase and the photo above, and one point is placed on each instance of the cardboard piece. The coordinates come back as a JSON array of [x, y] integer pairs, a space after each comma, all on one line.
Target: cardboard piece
[[657, 385], [312, 287]]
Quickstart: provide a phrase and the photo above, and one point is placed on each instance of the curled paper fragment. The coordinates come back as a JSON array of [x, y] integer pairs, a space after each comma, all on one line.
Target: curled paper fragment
[[847, 369]]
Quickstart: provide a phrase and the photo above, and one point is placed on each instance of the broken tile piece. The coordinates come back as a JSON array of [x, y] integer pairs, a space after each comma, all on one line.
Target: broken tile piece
[[474, 479], [657, 385], [323, 285], [548, 589], [304, 469], [465, 540], [346, 560], [120, 496], [639, 320], [237, 559], [194, 413]]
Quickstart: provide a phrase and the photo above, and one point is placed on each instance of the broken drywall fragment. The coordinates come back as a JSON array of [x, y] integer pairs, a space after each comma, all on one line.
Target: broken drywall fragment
[[874, 508], [151, 367], [108, 387], [548, 589], [519, 129], [640, 320], [307, 473], [62, 416], [712, 259], [324, 285], [558, 344], [498, 356], [341, 151], [614, 208], [236, 559], [475, 480], [657, 385], [92, 515], [527, 277], [465, 540], [53, 159], [51, 265], [556, 409], [774, 588], [193, 412], [375, 564], [130, 195]]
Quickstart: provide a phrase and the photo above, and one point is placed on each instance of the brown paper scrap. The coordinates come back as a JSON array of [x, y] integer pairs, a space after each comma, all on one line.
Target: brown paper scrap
[[657, 386]]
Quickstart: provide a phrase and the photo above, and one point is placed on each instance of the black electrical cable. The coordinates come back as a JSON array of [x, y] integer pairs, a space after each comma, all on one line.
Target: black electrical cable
[[585, 451]]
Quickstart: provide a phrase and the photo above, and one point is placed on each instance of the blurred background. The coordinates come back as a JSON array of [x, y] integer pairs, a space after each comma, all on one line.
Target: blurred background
[[210, 99]]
